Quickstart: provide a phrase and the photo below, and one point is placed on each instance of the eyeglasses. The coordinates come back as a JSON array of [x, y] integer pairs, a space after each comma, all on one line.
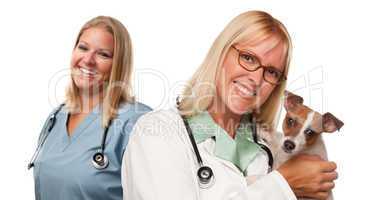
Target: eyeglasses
[[251, 63]]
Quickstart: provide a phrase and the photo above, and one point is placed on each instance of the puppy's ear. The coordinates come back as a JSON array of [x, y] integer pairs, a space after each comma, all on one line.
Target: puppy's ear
[[330, 123], [291, 100]]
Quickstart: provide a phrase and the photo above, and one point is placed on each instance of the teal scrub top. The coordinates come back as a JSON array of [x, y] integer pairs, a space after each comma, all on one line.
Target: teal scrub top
[[63, 169]]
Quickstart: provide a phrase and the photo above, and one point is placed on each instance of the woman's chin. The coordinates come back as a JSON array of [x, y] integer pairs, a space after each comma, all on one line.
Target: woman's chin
[[86, 84], [239, 108]]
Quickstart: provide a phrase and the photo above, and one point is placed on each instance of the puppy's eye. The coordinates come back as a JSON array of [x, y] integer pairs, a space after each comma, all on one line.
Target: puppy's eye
[[309, 132], [290, 122]]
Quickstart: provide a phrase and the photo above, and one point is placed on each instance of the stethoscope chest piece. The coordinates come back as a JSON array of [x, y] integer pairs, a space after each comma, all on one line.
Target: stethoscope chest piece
[[205, 177], [100, 160]]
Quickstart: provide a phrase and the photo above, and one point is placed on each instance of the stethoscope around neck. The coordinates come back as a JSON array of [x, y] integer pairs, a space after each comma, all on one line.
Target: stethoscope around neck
[[205, 173], [99, 160]]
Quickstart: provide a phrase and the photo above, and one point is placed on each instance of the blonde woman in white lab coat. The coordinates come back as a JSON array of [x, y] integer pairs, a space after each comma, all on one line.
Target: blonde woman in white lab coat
[[242, 77]]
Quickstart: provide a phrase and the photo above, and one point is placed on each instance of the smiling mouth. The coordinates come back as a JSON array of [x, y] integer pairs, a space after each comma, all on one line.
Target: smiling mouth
[[244, 90], [86, 72]]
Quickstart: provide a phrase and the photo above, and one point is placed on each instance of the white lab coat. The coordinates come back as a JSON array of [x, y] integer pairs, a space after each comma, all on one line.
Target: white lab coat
[[159, 164]]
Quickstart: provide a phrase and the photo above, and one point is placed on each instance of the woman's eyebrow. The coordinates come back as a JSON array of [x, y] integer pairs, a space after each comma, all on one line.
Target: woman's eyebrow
[[81, 41], [106, 50], [100, 49]]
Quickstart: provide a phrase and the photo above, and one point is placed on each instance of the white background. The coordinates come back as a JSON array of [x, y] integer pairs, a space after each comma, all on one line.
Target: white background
[[330, 67]]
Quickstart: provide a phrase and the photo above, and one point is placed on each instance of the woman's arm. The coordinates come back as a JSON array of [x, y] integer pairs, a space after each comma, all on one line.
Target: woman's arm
[[309, 176], [302, 176], [155, 165]]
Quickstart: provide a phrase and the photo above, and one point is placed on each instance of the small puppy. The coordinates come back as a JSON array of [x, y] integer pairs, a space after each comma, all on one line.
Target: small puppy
[[302, 129]]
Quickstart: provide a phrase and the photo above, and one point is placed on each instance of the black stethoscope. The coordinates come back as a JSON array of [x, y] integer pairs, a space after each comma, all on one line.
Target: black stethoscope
[[262, 146], [205, 173], [99, 159]]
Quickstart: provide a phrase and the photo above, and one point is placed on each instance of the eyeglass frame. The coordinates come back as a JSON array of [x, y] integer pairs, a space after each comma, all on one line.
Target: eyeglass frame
[[281, 79]]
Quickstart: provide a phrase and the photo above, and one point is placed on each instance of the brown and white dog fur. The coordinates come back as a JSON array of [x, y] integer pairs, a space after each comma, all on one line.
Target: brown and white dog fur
[[302, 129]]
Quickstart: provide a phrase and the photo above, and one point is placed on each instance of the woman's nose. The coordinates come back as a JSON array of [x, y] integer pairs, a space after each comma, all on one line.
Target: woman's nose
[[257, 76], [89, 58]]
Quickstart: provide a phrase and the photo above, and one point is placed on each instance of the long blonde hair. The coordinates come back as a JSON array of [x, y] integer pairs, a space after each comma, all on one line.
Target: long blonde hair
[[252, 26], [118, 89]]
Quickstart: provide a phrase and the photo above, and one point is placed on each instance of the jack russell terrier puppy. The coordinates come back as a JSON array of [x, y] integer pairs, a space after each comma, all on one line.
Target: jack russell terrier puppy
[[302, 129]]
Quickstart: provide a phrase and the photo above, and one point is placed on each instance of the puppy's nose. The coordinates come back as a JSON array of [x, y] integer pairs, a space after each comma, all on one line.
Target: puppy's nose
[[289, 145]]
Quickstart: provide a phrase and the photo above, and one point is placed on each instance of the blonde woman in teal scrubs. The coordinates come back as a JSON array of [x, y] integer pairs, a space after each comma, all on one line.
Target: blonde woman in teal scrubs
[[242, 77], [98, 100]]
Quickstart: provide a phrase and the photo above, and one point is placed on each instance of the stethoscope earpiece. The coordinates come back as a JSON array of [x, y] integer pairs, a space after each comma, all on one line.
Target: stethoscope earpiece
[[205, 176], [100, 160]]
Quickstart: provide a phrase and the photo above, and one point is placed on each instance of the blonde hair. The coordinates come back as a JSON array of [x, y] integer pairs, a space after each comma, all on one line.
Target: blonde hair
[[248, 27], [118, 88]]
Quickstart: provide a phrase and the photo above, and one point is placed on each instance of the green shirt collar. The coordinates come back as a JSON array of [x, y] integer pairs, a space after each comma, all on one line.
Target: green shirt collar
[[240, 151]]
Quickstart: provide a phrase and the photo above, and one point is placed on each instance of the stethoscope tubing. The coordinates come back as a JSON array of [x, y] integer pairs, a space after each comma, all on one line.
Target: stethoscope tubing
[[262, 146], [44, 134], [100, 159], [205, 182]]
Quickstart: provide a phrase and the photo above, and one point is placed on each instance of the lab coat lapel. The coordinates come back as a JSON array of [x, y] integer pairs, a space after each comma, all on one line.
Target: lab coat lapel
[[246, 151], [240, 151]]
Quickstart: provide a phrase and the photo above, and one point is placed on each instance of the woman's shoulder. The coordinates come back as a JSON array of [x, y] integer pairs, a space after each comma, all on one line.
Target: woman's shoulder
[[128, 114], [169, 117], [57, 110], [132, 109], [160, 128], [165, 123]]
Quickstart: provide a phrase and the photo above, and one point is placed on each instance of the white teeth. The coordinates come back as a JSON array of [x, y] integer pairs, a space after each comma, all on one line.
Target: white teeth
[[243, 90], [87, 72]]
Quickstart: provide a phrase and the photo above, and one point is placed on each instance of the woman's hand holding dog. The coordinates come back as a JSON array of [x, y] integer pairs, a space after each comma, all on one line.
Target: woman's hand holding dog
[[309, 176]]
